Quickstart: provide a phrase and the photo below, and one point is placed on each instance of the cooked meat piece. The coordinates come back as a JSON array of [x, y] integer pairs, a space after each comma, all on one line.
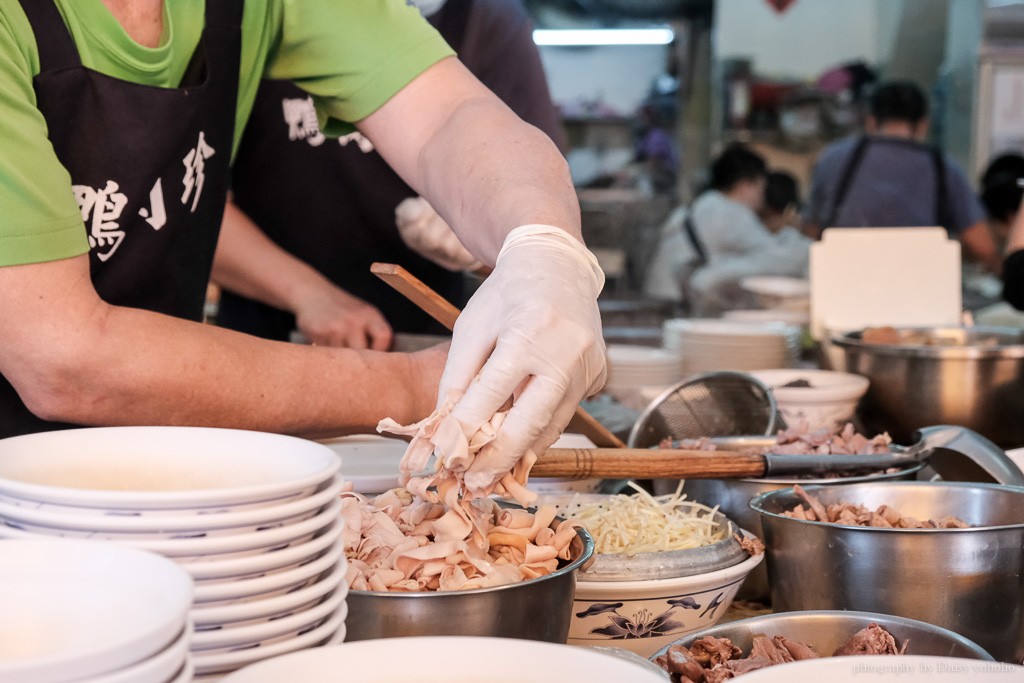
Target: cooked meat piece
[[879, 521], [797, 384], [819, 510], [952, 523], [890, 515], [765, 648], [751, 663], [710, 650], [751, 545], [873, 640], [679, 660], [718, 674], [796, 649]]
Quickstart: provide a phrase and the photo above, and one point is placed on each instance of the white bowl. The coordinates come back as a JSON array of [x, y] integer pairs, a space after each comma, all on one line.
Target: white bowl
[[146, 468], [255, 565], [829, 403], [272, 606], [186, 675], [74, 609], [448, 659], [163, 666], [370, 462], [905, 669], [224, 661], [231, 590], [644, 616]]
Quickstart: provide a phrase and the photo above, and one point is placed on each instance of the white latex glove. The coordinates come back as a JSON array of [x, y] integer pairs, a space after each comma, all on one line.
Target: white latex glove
[[533, 330], [428, 235]]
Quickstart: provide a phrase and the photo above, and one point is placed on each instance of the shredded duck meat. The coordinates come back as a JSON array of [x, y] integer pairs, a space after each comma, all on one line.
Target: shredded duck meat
[[710, 659], [858, 515]]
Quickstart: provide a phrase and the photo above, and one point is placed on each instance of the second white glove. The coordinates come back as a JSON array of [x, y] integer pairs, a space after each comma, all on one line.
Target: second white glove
[[428, 235]]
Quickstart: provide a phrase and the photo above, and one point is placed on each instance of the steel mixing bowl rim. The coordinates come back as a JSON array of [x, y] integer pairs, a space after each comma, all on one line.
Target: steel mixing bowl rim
[[757, 505], [877, 617], [585, 555], [849, 342]]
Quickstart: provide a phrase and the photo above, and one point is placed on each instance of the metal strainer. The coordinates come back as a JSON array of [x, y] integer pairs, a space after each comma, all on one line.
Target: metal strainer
[[721, 403]]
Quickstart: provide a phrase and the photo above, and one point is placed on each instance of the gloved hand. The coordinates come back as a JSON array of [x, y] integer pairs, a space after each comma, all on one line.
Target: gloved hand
[[428, 235], [532, 331]]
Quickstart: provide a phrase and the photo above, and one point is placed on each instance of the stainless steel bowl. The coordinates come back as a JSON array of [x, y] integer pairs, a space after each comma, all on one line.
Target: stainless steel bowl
[[970, 581], [973, 377], [825, 630], [538, 609], [732, 496]]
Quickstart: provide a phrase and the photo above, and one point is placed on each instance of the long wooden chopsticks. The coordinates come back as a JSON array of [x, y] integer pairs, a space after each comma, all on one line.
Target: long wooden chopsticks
[[441, 310]]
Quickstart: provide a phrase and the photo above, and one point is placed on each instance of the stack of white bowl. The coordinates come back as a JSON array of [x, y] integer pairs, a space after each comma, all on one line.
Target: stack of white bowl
[[633, 368], [705, 344], [92, 612], [251, 517]]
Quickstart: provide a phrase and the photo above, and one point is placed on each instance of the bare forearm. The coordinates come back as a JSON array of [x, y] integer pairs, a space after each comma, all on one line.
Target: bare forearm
[[482, 168], [249, 263], [74, 358]]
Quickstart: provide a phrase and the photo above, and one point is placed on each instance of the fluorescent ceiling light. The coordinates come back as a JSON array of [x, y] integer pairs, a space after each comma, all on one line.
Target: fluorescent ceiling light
[[604, 36]]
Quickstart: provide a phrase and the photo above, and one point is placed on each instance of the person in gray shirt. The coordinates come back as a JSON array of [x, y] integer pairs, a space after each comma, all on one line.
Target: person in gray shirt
[[890, 178]]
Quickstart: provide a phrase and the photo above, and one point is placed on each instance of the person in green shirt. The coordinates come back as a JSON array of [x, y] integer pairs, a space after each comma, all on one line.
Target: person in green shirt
[[123, 115]]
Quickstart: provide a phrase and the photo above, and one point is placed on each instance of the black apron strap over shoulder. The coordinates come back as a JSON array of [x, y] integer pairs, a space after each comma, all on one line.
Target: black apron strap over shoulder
[[846, 179], [943, 216], [53, 40], [695, 241], [453, 20]]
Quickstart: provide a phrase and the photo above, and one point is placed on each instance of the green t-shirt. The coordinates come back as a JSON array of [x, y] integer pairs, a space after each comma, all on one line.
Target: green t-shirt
[[350, 55]]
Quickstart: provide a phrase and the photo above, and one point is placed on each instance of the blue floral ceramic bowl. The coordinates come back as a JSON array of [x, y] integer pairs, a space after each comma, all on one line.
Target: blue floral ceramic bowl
[[645, 615]]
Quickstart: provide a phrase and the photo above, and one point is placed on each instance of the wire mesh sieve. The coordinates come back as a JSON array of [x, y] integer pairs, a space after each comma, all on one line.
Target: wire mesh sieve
[[722, 403]]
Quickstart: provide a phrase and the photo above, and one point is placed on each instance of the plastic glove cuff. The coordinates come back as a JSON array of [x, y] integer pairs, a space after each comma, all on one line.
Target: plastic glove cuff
[[555, 237]]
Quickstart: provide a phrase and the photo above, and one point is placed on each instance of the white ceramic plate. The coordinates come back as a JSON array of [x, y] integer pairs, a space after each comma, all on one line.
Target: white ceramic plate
[[163, 666], [448, 659], [132, 468], [167, 527], [258, 564], [272, 606], [74, 609], [232, 636], [370, 462], [232, 590], [195, 547], [904, 669], [216, 661]]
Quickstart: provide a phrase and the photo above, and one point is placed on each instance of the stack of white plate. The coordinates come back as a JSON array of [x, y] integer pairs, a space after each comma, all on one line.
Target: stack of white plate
[[705, 345], [251, 517], [92, 612], [631, 368]]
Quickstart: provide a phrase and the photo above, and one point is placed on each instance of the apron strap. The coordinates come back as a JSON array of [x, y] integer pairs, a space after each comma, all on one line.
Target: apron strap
[[218, 13], [695, 241], [454, 17], [53, 39], [943, 215], [845, 180]]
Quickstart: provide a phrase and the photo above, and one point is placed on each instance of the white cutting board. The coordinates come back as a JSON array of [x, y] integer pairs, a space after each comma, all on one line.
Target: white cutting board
[[862, 277]]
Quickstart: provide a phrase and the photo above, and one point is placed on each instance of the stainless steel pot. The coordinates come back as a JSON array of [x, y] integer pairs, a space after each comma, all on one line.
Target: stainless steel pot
[[970, 581], [732, 496], [826, 630], [538, 609], [972, 377]]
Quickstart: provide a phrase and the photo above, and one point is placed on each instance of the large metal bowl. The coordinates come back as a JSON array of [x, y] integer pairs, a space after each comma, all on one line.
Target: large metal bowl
[[732, 496], [973, 377], [537, 609], [970, 581], [826, 630]]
